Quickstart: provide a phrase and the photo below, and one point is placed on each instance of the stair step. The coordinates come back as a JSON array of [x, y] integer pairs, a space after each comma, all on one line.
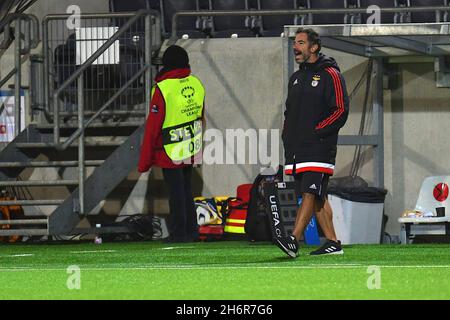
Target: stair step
[[94, 129], [45, 164], [24, 232], [105, 113], [24, 221], [110, 229], [93, 125], [35, 183], [31, 202], [29, 145]]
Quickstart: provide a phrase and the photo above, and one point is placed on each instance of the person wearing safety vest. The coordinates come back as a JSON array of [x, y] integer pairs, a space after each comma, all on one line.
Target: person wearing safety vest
[[173, 138]]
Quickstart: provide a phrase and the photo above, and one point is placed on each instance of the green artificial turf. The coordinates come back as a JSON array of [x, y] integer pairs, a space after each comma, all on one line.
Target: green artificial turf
[[226, 270]]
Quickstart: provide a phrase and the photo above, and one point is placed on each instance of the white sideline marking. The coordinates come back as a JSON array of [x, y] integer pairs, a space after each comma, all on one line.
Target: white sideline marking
[[172, 248], [93, 251], [187, 267], [18, 255]]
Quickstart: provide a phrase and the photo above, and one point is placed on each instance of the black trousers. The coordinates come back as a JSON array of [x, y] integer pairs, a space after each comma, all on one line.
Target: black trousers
[[183, 218]]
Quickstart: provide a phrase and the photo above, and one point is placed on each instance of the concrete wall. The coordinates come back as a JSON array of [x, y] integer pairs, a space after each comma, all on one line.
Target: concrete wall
[[244, 87], [416, 136]]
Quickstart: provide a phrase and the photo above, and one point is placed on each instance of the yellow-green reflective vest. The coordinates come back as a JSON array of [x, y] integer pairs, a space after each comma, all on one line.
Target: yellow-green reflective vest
[[182, 127]]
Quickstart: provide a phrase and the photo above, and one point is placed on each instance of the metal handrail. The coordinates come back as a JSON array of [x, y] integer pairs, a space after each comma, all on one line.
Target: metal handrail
[[8, 76], [216, 13], [7, 35], [34, 41], [79, 131], [89, 62], [30, 42]]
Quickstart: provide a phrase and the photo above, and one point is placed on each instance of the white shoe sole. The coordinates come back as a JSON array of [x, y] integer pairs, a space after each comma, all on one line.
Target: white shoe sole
[[291, 253], [330, 253]]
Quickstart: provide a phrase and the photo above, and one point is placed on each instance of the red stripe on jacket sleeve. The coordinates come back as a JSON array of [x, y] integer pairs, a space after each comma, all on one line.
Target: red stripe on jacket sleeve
[[339, 99], [152, 130]]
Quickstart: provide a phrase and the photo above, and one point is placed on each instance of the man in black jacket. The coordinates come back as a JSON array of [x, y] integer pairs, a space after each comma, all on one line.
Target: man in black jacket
[[316, 108]]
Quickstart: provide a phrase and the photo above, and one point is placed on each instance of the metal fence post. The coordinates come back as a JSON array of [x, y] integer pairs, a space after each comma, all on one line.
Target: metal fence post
[[147, 61], [378, 124], [18, 77], [81, 168]]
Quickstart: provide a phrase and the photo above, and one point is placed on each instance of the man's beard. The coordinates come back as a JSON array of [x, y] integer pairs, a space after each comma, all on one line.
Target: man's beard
[[305, 58]]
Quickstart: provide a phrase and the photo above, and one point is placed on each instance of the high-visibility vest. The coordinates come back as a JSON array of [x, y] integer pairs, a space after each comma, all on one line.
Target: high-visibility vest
[[182, 127], [237, 214]]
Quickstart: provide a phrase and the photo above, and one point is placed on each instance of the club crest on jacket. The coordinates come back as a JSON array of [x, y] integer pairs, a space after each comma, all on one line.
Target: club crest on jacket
[[315, 81]]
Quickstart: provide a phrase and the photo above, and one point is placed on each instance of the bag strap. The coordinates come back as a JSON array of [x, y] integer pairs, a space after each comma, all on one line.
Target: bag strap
[[243, 205], [224, 207]]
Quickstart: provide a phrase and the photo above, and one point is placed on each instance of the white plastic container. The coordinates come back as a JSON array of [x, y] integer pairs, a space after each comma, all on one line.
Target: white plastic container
[[356, 222]]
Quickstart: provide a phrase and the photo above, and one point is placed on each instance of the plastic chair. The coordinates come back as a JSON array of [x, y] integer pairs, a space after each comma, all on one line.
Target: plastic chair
[[335, 18], [127, 5], [351, 18], [386, 17], [274, 25], [402, 17], [434, 193], [429, 16], [228, 25], [185, 25]]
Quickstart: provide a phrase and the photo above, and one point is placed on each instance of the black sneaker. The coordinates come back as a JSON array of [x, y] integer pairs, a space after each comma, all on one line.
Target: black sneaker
[[329, 247], [288, 245]]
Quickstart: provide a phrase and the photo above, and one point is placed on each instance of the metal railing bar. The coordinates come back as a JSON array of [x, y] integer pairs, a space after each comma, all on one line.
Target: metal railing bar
[[6, 36], [80, 130], [64, 16], [8, 76], [109, 112], [13, 71], [24, 221], [18, 78], [147, 60], [26, 43], [38, 164], [81, 165]]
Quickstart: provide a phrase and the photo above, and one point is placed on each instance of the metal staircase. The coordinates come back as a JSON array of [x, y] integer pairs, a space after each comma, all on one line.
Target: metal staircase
[[89, 151], [112, 151]]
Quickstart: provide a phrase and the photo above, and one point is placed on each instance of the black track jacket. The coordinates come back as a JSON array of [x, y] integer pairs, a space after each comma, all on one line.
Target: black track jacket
[[316, 108]]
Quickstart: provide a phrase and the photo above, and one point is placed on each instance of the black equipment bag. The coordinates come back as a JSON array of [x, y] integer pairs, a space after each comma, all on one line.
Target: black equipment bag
[[257, 225]]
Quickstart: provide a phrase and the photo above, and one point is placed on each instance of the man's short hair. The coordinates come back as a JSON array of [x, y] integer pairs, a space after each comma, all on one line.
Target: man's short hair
[[313, 37]]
